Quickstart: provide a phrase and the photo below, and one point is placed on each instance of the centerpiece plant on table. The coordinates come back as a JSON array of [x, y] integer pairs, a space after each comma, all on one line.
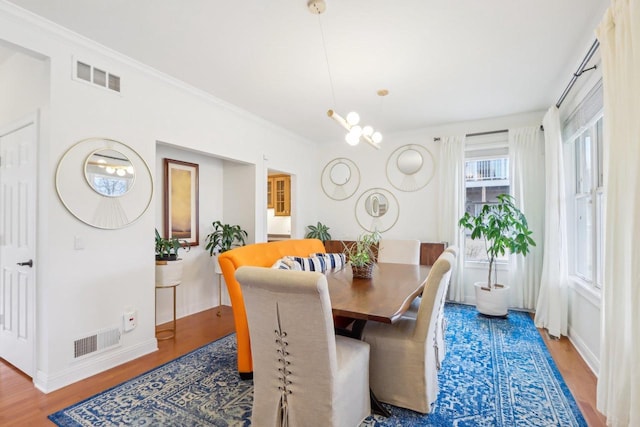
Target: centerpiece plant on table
[[361, 254]]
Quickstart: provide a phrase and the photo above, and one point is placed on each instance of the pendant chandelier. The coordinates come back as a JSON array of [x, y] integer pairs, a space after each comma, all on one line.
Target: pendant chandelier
[[355, 132]]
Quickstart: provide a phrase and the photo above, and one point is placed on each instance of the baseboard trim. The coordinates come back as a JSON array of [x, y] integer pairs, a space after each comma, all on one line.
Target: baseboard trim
[[92, 366], [583, 350]]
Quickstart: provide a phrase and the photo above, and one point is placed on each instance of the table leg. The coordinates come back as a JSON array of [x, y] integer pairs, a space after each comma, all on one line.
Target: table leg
[[376, 406]]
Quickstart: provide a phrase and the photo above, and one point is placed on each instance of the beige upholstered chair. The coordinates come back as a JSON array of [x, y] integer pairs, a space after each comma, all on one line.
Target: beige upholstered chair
[[440, 347], [399, 251], [403, 366], [304, 375]]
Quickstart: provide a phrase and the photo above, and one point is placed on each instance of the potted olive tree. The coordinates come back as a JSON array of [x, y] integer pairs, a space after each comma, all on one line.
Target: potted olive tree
[[361, 254], [223, 238], [504, 228], [319, 231], [168, 266]]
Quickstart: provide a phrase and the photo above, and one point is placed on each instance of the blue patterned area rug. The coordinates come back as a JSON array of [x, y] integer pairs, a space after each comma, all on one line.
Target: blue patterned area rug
[[497, 372]]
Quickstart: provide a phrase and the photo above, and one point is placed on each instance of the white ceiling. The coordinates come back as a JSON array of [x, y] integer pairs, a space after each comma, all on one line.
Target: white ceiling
[[442, 61]]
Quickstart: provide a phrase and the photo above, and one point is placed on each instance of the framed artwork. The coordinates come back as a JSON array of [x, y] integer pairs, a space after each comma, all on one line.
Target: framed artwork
[[181, 201]]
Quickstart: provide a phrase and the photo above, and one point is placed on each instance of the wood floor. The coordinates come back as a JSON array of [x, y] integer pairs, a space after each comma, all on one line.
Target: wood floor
[[22, 405]]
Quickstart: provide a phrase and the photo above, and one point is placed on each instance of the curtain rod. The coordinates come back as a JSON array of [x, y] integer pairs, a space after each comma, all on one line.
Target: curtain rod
[[579, 72], [491, 132]]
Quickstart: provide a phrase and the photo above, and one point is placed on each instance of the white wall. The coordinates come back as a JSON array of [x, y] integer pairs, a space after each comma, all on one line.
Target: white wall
[[83, 291]]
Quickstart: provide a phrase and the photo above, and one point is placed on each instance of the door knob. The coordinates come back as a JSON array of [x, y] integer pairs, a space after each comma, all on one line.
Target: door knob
[[29, 263]]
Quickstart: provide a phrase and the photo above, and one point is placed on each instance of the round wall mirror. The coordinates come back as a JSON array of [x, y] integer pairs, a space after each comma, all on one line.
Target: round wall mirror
[[109, 172], [376, 205], [377, 209], [410, 167], [109, 200], [409, 161], [340, 179], [340, 173]]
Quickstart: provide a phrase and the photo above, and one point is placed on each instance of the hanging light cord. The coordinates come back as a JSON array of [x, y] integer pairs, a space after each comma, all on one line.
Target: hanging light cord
[[326, 58]]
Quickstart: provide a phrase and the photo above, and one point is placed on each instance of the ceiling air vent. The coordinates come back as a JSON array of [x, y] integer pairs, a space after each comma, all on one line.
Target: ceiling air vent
[[97, 76]]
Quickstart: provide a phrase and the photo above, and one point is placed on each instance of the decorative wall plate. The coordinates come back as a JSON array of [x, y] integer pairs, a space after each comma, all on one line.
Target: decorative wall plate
[[340, 179], [104, 183], [410, 167], [377, 209]]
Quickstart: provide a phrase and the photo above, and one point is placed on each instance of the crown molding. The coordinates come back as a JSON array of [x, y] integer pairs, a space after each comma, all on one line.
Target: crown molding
[[73, 40]]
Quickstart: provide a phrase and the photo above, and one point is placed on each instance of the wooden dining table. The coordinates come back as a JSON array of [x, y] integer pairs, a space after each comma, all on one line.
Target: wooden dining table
[[382, 298]]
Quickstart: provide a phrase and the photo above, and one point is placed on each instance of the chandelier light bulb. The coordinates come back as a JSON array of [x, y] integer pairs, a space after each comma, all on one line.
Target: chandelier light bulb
[[130, 170], [109, 169], [367, 130], [356, 130], [353, 118], [102, 163], [376, 137], [120, 172], [352, 139]]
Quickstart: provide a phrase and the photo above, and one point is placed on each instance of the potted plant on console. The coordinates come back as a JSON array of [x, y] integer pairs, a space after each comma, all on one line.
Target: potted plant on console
[[223, 238], [362, 255], [504, 228], [168, 266], [319, 231]]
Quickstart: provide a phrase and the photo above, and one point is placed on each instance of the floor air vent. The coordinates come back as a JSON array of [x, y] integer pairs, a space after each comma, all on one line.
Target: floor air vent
[[97, 342]]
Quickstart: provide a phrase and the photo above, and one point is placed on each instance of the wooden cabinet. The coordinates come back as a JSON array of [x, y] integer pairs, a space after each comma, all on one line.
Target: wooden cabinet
[[269, 193], [279, 194]]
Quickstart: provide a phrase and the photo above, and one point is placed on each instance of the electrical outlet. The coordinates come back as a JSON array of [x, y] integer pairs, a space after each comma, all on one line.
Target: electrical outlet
[[130, 320]]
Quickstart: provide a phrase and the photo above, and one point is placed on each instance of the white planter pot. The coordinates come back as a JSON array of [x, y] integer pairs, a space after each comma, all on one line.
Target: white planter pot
[[216, 264], [169, 272], [494, 302]]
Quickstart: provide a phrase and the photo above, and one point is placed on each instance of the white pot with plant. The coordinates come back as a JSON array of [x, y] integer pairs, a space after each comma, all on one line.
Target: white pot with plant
[[169, 267], [504, 228], [223, 238]]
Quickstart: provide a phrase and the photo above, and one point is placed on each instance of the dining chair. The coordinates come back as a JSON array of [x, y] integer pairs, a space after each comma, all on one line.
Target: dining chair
[[399, 251], [303, 373], [440, 346], [403, 366]]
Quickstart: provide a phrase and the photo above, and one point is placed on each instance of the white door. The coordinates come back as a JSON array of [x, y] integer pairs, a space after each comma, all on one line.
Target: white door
[[17, 244]]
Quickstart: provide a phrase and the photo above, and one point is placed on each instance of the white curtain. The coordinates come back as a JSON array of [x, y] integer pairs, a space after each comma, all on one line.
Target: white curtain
[[619, 376], [551, 309], [451, 206], [526, 165]]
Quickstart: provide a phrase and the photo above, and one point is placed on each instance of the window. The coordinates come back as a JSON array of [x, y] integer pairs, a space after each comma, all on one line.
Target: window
[[588, 217], [583, 132], [486, 177]]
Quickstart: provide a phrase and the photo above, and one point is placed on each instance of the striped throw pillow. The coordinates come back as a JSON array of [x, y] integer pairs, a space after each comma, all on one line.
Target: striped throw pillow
[[313, 263], [334, 261]]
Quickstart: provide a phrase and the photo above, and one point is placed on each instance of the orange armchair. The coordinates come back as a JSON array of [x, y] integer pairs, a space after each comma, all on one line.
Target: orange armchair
[[258, 255]]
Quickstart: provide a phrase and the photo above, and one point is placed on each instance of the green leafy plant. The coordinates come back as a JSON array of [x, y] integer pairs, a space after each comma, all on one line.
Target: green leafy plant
[[503, 227], [224, 237], [319, 231], [167, 249], [361, 251]]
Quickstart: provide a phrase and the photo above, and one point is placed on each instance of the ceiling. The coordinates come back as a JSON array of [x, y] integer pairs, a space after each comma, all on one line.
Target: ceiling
[[442, 61]]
